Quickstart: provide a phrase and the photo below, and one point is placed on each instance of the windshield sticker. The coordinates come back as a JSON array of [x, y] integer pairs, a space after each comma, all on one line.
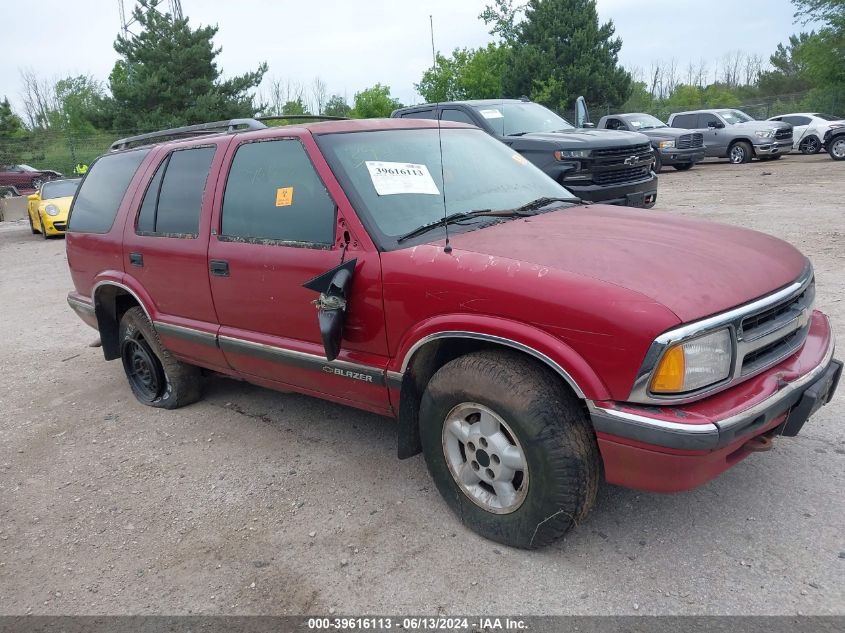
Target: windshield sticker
[[492, 114], [284, 196], [394, 178], [520, 159]]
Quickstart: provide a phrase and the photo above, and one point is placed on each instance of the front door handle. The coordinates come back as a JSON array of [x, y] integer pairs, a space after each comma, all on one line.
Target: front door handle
[[219, 268], [136, 259]]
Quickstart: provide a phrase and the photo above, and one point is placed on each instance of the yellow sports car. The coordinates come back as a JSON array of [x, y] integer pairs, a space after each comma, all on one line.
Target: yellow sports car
[[48, 207]]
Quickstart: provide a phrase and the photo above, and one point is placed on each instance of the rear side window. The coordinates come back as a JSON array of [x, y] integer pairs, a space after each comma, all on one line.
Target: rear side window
[[419, 114], [99, 197], [684, 120], [172, 203], [456, 115], [274, 193]]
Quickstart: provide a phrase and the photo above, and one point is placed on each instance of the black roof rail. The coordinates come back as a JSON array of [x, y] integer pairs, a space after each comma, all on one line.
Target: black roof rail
[[295, 117], [230, 126]]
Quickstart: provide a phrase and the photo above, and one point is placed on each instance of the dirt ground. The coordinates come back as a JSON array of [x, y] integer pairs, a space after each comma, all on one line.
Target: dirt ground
[[254, 502]]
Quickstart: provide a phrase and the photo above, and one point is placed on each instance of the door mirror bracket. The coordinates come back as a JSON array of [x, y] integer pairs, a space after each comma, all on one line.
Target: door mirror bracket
[[333, 286]]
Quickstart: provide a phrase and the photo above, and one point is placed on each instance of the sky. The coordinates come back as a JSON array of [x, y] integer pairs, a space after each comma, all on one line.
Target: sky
[[353, 45]]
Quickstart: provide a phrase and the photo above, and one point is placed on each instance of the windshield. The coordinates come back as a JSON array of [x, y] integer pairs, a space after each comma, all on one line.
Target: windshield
[[59, 189], [514, 119], [644, 122], [828, 117], [394, 177], [732, 117], [27, 168]]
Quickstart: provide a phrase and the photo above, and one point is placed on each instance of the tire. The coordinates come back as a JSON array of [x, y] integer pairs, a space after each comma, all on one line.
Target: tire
[[540, 443], [31, 225], [658, 162], [683, 166], [740, 153], [36, 183], [43, 230], [155, 377], [810, 145], [836, 148]]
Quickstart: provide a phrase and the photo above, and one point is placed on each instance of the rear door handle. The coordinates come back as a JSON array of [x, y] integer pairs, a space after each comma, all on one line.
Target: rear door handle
[[136, 259], [219, 267]]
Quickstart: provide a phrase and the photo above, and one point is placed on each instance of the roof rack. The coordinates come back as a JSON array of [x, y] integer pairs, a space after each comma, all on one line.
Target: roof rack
[[230, 126], [295, 117]]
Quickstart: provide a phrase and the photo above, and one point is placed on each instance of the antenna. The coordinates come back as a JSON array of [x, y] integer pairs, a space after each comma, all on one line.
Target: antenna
[[448, 247]]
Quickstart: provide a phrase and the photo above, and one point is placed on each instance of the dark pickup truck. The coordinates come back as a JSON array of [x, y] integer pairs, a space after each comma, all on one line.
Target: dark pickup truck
[[596, 165], [672, 146]]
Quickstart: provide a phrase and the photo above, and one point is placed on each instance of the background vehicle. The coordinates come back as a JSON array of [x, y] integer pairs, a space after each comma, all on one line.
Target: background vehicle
[[809, 129], [834, 141], [676, 147], [596, 165], [734, 135], [26, 177], [47, 208], [535, 349]]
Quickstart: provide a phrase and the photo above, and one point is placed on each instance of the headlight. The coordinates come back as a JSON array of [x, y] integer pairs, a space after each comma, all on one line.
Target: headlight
[[694, 364], [572, 153], [666, 144], [765, 133], [51, 209]]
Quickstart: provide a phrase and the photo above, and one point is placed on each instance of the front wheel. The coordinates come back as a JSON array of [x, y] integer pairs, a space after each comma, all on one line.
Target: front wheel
[[739, 153], [683, 166], [509, 448], [155, 377], [810, 145], [658, 162], [43, 229], [836, 148]]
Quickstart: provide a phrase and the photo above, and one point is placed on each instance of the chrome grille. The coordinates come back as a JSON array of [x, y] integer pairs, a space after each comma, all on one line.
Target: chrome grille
[[689, 141], [784, 134], [773, 334]]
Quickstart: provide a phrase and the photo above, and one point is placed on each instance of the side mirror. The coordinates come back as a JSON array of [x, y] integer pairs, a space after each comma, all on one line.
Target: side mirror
[[333, 287], [582, 115], [589, 125], [718, 125]]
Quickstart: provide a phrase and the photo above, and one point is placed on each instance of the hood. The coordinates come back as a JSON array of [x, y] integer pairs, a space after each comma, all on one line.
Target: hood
[[62, 203], [667, 132], [760, 125], [587, 137], [695, 268]]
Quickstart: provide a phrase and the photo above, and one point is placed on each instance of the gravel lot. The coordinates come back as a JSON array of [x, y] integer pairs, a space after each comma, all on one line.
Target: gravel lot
[[254, 502]]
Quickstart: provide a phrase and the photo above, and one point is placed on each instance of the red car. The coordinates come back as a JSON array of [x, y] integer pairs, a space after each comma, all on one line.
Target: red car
[[25, 177], [525, 342]]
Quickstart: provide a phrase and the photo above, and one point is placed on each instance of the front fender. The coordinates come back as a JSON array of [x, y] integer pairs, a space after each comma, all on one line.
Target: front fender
[[526, 338]]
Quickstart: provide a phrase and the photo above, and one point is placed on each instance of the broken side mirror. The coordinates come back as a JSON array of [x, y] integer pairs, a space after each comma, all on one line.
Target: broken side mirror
[[333, 287], [582, 115]]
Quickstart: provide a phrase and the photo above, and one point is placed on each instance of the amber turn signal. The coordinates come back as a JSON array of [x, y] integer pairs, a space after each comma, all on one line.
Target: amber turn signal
[[670, 373]]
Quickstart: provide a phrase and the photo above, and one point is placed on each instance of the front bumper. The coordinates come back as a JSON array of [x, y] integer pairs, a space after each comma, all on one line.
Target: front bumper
[[674, 156], [639, 193], [771, 148], [55, 225], [666, 448]]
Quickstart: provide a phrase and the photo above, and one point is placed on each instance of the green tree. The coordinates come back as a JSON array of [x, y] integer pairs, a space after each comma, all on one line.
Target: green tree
[[297, 106], [374, 102], [10, 123], [467, 74], [337, 106], [561, 51], [80, 102], [167, 76], [788, 74], [823, 56], [641, 100]]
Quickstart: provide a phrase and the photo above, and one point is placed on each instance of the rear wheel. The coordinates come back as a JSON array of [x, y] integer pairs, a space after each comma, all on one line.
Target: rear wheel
[[739, 153], [509, 448], [836, 148], [683, 166], [155, 377]]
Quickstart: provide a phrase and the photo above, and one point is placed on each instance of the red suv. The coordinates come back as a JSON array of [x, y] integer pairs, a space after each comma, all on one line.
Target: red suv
[[525, 342]]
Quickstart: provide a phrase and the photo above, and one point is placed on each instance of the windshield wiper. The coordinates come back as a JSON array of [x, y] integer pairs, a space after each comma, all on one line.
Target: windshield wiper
[[523, 210]]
